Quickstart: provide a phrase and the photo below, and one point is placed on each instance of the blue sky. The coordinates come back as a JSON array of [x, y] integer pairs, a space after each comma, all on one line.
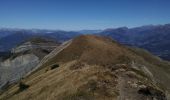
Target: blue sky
[[82, 14]]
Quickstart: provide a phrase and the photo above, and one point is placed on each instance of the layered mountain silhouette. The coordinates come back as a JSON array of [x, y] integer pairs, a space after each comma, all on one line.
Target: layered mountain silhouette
[[18, 36], [155, 39], [92, 67]]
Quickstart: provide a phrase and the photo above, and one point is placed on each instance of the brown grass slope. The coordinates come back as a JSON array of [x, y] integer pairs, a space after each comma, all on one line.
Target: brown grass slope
[[96, 68]]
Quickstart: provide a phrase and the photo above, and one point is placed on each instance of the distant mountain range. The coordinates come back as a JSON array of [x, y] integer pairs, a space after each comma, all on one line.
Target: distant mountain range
[[15, 37], [154, 38], [90, 31]]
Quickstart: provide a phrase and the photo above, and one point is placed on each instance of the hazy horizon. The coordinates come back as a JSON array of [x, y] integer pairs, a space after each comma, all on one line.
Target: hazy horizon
[[17, 28]]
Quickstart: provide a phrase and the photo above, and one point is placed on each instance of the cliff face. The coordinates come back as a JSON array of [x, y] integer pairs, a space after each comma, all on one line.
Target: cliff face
[[23, 60], [13, 70]]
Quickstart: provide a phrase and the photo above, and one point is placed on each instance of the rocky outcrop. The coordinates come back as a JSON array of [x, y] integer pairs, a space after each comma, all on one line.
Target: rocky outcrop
[[23, 60], [13, 70], [29, 46]]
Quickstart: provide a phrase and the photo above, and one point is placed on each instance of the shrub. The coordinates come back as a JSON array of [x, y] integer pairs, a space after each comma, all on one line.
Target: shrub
[[46, 51], [54, 66], [23, 86]]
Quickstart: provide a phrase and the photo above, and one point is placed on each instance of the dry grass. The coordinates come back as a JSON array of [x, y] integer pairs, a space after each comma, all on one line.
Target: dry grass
[[64, 84], [92, 50], [87, 72]]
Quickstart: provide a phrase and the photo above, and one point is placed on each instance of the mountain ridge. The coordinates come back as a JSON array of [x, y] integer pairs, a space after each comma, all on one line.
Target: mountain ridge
[[96, 68]]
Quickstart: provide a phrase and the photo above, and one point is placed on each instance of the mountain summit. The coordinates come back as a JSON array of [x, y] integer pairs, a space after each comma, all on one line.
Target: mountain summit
[[95, 68]]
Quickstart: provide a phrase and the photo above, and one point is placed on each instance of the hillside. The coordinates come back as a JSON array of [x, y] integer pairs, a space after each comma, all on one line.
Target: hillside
[[95, 68]]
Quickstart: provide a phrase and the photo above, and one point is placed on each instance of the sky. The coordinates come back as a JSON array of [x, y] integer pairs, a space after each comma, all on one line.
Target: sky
[[82, 14]]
